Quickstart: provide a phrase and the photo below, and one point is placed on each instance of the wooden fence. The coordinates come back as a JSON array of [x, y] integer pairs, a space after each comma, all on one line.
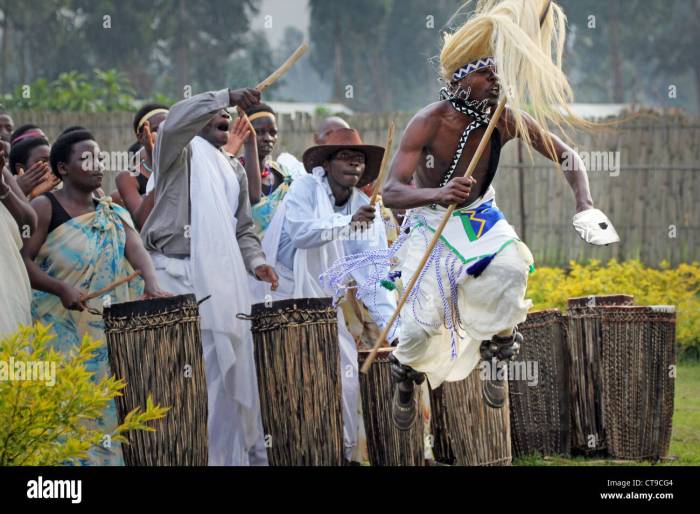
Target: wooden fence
[[651, 195]]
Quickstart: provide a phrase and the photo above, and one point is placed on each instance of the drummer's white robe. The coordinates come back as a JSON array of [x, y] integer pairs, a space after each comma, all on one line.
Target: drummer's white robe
[[215, 268], [315, 229]]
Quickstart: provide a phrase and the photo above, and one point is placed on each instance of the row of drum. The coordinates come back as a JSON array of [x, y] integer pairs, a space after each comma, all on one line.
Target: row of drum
[[598, 381]]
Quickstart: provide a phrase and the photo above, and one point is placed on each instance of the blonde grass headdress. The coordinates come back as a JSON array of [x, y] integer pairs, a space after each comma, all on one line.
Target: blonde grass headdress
[[527, 49]]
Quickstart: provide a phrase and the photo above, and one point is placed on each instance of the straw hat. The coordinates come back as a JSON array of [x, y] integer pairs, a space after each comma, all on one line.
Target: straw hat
[[346, 139]]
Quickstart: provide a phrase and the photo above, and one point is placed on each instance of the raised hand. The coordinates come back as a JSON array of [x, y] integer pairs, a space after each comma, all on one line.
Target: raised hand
[[49, 183], [147, 139], [238, 134], [30, 179], [244, 98]]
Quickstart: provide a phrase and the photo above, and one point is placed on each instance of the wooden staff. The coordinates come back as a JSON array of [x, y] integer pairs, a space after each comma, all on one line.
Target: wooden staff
[[111, 286], [379, 182], [438, 232], [284, 68]]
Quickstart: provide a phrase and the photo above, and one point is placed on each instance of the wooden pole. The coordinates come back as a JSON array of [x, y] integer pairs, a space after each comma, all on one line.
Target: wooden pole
[[111, 286], [303, 48], [438, 232], [384, 167]]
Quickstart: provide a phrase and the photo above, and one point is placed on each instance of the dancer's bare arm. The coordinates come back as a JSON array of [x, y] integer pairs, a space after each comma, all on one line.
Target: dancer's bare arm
[[552, 147]]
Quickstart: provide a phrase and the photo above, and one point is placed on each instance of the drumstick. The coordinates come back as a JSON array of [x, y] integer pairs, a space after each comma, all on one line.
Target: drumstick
[[438, 232], [111, 286], [243, 115], [384, 166], [284, 68]]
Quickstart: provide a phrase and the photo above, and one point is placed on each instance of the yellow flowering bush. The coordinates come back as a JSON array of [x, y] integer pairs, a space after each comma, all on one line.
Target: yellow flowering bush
[[47, 397], [552, 287]]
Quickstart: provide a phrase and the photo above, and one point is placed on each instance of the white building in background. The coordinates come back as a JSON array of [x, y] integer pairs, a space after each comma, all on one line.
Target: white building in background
[[309, 107], [596, 111]]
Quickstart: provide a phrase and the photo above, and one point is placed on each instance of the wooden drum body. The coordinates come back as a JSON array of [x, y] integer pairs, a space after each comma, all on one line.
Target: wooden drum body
[[297, 357], [466, 431], [637, 362], [155, 346], [540, 416], [387, 445], [585, 347]]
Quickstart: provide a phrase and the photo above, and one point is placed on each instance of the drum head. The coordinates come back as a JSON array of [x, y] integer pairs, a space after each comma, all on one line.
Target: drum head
[[150, 306], [293, 304]]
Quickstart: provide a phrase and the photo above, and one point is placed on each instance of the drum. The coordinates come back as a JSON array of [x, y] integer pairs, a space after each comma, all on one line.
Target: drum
[[538, 385], [637, 363], [585, 340], [155, 347], [297, 356], [387, 445], [466, 431]]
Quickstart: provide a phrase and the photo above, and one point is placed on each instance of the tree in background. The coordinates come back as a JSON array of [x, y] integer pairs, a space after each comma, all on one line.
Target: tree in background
[[302, 82], [348, 49], [638, 50], [74, 92], [413, 46], [160, 45], [251, 64], [635, 51], [199, 37], [379, 48]]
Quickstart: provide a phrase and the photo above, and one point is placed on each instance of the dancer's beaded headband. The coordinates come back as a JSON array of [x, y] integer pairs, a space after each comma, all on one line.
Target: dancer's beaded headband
[[473, 66]]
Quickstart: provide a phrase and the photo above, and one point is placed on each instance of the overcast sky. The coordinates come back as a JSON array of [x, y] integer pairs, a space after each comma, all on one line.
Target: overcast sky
[[284, 13]]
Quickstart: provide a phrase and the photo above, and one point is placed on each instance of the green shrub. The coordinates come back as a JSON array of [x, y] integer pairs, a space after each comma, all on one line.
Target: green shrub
[[551, 287], [46, 424]]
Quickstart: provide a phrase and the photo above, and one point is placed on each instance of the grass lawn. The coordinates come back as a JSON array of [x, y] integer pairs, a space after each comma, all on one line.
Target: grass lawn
[[685, 439]]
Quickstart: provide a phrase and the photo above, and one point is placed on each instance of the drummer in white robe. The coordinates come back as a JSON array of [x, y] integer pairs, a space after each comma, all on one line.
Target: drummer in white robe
[[323, 218], [201, 238]]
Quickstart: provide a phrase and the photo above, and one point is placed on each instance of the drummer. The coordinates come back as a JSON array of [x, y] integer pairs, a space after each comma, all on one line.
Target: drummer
[[201, 237], [324, 217], [80, 246]]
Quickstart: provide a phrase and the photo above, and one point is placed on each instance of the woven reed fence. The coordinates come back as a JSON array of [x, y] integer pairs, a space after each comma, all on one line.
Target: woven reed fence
[[651, 199]]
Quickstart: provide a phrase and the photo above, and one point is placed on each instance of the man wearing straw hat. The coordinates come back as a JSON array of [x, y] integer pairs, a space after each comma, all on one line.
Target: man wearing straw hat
[[324, 217], [468, 293]]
